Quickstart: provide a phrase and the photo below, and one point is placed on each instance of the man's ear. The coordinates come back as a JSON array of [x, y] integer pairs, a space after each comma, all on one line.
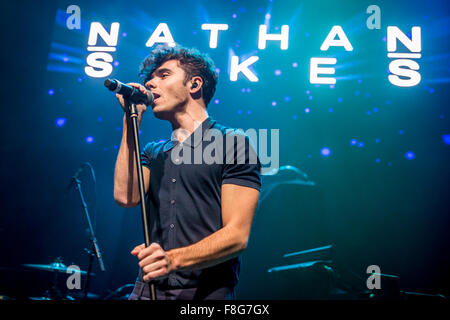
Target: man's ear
[[196, 84]]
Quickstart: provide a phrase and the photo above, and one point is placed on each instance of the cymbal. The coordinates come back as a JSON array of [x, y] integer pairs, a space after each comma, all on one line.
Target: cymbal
[[55, 266], [80, 296]]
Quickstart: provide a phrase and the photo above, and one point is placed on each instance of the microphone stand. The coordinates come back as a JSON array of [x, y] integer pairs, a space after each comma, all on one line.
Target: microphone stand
[[133, 114], [95, 248]]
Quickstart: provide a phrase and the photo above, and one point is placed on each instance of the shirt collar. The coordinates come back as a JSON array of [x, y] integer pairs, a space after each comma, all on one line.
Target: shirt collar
[[195, 138]]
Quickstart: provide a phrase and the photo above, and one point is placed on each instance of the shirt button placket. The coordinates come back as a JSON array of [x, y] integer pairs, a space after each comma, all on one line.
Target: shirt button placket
[[173, 211]]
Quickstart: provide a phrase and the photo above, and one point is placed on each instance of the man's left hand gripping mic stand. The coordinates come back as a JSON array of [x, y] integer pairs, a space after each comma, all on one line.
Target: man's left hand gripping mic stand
[[133, 114]]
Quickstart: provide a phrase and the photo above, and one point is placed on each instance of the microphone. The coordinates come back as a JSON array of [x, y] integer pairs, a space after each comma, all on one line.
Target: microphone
[[129, 92], [75, 176], [80, 169]]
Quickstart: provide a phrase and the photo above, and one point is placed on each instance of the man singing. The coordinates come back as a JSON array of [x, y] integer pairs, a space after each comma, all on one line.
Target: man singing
[[200, 212]]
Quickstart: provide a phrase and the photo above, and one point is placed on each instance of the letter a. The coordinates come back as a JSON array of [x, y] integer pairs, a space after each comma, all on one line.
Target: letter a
[[374, 280], [342, 40], [374, 21], [73, 22], [74, 281], [156, 37]]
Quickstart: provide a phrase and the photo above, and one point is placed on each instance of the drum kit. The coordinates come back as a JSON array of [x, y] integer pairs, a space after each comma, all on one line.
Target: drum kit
[[59, 285], [58, 289], [54, 292]]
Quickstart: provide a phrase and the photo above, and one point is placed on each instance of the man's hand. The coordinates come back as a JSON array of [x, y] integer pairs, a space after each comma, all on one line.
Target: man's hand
[[140, 107], [153, 260]]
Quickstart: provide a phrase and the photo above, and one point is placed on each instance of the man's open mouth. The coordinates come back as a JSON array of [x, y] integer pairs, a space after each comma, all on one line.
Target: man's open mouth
[[155, 96]]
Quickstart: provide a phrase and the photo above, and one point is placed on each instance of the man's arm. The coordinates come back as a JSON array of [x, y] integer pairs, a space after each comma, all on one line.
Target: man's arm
[[126, 184], [238, 208]]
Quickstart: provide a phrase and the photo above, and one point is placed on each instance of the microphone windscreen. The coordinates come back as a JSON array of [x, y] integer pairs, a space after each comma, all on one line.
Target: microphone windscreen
[[110, 84]]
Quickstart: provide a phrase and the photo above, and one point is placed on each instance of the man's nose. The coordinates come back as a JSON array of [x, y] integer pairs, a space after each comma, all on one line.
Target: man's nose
[[151, 84]]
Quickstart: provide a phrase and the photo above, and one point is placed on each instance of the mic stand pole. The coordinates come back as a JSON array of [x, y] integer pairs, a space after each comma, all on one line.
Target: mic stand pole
[[133, 113], [95, 248]]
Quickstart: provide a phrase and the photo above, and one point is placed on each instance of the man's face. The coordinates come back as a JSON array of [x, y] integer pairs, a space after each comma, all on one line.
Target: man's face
[[170, 92]]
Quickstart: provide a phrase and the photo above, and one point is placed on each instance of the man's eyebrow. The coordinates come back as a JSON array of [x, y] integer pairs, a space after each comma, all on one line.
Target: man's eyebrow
[[159, 71]]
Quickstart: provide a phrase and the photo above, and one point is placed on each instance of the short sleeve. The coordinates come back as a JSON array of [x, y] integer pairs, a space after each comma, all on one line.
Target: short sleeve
[[147, 155], [241, 163]]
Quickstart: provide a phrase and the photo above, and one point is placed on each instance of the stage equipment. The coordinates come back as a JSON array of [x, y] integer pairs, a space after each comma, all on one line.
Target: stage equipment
[[315, 274], [132, 98], [129, 93], [57, 267], [95, 251]]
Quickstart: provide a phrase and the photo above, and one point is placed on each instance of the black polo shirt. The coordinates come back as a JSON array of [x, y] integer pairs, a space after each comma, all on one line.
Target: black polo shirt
[[184, 199]]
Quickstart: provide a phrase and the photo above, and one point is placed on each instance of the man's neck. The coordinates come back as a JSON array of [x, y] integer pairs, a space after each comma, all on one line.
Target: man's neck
[[184, 124]]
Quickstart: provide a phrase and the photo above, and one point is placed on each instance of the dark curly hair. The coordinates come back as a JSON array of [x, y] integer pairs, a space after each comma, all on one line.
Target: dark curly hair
[[192, 61]]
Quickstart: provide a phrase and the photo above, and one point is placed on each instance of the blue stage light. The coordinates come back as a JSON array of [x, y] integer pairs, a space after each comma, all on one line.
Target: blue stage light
[[51, 92], [60, 122], [325, 152], [89, 139], [410, 155], [446, 138], [353, 142]]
